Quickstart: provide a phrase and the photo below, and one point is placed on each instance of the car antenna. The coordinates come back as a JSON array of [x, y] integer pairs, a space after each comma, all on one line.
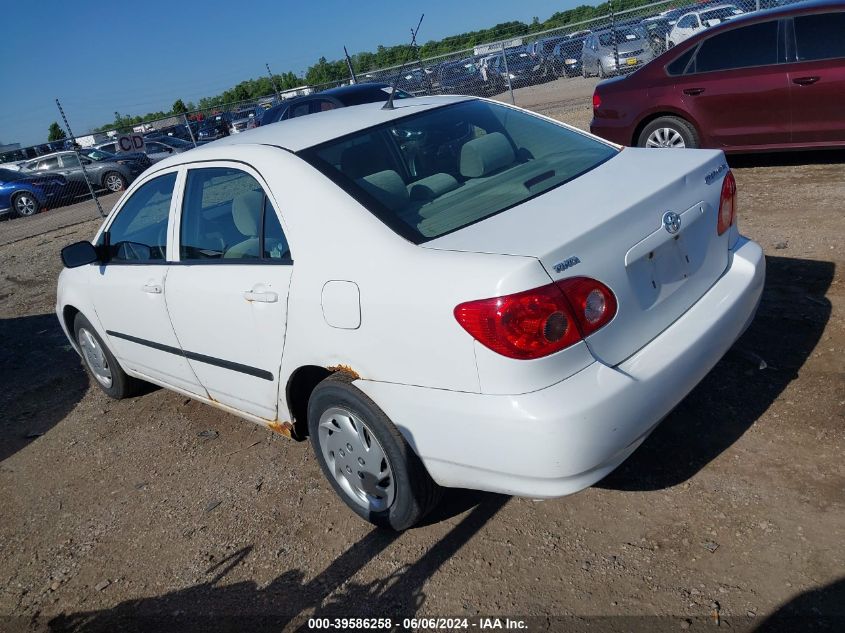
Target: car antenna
[[389, 104]]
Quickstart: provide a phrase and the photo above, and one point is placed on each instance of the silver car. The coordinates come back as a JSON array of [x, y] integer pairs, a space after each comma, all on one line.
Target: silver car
[[630, 43]]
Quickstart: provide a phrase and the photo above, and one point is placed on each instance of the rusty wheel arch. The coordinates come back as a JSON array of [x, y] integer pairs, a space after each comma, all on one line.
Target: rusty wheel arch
[[299, 388]]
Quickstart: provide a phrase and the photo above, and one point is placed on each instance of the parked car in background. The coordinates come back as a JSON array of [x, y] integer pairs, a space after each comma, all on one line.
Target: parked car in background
[[341, 97], [522, 67], [215, 126], [243, 120], [567, 55], [175, 131], [24, 195], [178, 144], [694, 21], [154, 149], [561, 340], [544, 49], [108, 171], [601, 47], [462, 77], [737, 87], [658, 28]]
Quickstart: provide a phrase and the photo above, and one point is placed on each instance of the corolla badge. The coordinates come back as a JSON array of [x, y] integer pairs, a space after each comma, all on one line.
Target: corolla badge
[[671, 222], [567, 263], [713, 175]]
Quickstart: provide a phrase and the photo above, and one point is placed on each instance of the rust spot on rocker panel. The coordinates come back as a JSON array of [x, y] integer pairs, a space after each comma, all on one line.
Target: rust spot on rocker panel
[[346, 369], [282, 428]]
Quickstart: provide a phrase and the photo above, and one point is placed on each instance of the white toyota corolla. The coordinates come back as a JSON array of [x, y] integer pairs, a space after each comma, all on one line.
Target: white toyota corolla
[[453, 292]]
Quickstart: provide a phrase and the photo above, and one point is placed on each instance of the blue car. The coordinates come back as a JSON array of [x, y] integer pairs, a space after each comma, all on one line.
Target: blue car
[[23, 195]]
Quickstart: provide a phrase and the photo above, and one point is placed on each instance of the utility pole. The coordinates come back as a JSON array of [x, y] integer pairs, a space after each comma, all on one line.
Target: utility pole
[[352, 78], [79, 158], [273, 81]]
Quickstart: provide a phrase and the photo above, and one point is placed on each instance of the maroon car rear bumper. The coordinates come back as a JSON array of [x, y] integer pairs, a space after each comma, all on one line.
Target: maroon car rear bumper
[[612, 130]]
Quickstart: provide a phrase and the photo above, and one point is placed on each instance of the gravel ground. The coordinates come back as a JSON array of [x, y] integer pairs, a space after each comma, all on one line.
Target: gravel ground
[[160, 512]]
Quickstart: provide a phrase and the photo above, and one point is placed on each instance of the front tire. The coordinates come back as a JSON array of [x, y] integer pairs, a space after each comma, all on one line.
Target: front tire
[[669, 132], [101, 363], [114, 181], [365, 458], [24, 204]]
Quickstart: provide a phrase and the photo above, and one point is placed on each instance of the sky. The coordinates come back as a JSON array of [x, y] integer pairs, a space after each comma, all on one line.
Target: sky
[[99, 57]]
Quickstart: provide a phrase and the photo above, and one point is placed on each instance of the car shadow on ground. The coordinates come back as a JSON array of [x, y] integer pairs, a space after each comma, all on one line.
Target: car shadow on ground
[[792, 316], [821, 609], [289, 600], [787, 159], [43, 379]]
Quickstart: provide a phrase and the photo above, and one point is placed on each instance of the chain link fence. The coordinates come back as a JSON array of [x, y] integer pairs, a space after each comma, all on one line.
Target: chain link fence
[[547, 70]]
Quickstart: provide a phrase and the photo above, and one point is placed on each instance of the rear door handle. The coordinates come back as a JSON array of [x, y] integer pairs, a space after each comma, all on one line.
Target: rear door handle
[[805, 81], [261, 297], [693, 91], [153, 289]]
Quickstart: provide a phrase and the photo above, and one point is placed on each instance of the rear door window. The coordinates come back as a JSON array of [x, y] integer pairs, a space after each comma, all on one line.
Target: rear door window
[[820, 36], [226, 217], [748, 46]]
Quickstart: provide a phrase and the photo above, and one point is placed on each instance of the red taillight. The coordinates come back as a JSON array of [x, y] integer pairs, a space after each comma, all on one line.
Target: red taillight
[[539, 322], [596, 101], [727, 204]]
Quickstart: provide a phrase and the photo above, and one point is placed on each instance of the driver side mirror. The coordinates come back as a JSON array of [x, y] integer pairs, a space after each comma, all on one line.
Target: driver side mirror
[[79, 254]]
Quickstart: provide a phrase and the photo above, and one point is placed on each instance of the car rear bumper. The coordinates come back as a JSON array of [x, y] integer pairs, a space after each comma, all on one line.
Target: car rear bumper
[[561, 439], [614, 130]]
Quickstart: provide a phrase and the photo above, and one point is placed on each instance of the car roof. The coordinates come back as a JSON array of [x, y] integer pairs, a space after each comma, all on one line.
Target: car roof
[[301, 132]]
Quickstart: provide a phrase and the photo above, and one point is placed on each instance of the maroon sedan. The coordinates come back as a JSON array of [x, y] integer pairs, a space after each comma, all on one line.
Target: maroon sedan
[[767, 80]]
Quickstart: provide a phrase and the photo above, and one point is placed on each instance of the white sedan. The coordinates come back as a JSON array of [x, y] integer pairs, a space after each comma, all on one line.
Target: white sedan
[[453, 292]]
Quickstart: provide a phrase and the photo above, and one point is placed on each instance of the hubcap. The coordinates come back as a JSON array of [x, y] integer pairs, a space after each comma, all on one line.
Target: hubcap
[[95, 358], [25, 205], [665, 137], [356, 459], [114, 183]]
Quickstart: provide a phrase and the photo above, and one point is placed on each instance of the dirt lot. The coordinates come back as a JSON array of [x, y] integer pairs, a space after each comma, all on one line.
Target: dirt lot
[[160, 512]]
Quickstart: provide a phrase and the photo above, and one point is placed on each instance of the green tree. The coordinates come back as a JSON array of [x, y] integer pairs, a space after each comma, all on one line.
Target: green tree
[[56, 133], [178, 107]]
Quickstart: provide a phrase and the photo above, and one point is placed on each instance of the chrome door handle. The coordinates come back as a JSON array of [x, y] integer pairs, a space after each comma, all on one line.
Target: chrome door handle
[[261, 297], [153, 289]]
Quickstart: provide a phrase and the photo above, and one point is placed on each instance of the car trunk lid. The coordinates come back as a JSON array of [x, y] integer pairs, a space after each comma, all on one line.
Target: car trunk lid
[[609, 225]]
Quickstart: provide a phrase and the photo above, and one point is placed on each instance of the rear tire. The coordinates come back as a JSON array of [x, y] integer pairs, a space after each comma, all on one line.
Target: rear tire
[[365, 458], [669, 132], [101, 363], [24, 204]]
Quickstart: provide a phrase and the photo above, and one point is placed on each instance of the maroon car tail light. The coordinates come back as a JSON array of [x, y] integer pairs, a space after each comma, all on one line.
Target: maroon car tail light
[[727, 204], [539, 322], [596, 101]]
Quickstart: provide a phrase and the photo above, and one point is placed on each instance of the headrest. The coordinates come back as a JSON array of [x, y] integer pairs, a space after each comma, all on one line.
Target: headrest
[[387, 187], [246, 212], [486, 154], [432, 187]]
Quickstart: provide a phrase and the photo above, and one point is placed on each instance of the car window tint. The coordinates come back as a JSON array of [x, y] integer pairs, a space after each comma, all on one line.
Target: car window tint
[[687, 22], [69, 161], [223, 218], [753, 45], [820, 36], [300, 110], [275, 244], [323, 105], [139, 231], [47, 163], [432, 173], [678, 66]]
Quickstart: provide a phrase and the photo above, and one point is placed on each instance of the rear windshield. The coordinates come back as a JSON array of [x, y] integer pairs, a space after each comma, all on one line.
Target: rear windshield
[[622, 35], [438, 171]]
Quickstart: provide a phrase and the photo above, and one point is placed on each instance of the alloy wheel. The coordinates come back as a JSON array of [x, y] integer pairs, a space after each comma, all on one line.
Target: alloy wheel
[[665, 137]]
